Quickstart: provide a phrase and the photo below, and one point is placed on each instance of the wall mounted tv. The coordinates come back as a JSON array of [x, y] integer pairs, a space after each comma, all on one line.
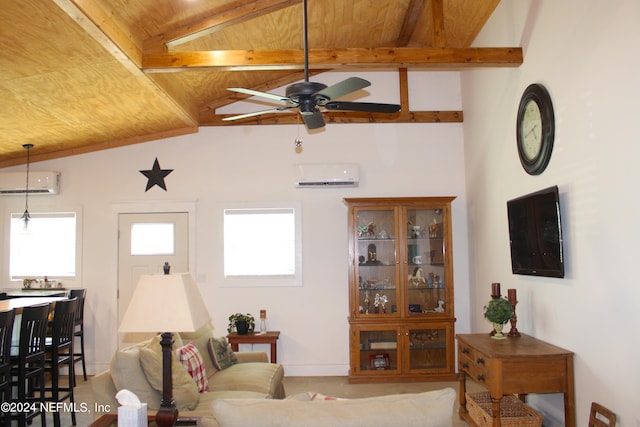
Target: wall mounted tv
[[535, 234]]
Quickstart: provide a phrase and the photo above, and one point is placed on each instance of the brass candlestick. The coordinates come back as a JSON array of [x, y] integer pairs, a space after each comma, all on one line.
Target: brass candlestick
[[514, 319]]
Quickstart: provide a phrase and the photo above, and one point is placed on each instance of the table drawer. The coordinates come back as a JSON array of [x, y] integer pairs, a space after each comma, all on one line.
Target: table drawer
[[474, 363]]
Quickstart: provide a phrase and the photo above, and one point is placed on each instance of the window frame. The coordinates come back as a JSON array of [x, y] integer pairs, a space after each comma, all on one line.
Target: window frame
[[66, 281], [292, 280]]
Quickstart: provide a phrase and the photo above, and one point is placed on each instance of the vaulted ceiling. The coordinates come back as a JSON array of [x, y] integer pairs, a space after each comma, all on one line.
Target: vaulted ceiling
[[85, 75]]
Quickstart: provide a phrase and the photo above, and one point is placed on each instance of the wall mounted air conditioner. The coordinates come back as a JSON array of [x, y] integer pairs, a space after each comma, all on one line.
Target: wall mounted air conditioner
[[327, 175], [15, 183]]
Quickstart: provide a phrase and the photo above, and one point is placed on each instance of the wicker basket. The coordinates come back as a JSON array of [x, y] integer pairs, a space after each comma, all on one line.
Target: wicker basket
[[512, 411]]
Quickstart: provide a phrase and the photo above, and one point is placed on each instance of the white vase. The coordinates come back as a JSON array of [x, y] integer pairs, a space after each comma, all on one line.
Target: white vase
[[498, 328]]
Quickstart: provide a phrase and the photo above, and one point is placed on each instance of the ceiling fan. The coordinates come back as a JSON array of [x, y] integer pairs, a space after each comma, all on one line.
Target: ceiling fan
[[308, 96]]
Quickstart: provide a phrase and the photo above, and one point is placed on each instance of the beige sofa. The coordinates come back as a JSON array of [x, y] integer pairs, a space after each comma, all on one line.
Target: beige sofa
[[428, 409], [138, 369]]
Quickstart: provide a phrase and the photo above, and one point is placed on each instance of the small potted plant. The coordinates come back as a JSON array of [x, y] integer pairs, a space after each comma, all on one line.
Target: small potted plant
[[498, 311], [242, 323]]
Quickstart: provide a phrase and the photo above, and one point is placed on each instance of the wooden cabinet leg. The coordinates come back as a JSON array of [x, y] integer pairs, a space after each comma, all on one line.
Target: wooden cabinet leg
[[495, 407], [462, 395]]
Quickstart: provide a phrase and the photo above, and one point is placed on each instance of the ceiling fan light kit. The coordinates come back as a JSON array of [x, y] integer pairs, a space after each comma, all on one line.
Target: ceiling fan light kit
[[308, 96]]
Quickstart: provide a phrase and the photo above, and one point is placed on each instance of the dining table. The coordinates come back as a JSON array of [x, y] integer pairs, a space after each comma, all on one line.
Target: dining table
[[34, 292], [19, 303]]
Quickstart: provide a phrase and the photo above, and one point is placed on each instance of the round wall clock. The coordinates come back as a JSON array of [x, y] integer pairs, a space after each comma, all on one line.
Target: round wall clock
[[535, 129]]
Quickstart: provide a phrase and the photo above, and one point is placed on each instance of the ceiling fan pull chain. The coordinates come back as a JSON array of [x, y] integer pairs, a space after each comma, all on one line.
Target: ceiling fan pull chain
[[298, 140]]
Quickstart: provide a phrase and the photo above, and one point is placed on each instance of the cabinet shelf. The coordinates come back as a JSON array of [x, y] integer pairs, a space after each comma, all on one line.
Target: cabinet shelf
[[412, 271], [374, 264]]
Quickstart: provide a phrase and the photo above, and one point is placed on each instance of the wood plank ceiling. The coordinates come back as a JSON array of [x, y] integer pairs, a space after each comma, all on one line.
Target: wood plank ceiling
[[85, 75]]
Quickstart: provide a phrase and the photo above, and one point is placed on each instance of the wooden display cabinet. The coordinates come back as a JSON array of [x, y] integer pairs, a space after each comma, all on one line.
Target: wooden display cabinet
[[401, 314]]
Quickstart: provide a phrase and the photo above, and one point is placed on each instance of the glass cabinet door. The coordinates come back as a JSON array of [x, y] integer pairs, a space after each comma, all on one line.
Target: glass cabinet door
[[378, 350], [426, 291], [428, 347], [376, 263]]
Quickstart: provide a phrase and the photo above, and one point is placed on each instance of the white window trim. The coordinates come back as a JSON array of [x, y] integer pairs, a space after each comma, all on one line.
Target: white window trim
[[67, 282], [263, 281]]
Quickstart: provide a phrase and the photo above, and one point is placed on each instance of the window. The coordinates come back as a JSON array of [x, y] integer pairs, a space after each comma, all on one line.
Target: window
[[47, 247], [153, 238], [262, 246]]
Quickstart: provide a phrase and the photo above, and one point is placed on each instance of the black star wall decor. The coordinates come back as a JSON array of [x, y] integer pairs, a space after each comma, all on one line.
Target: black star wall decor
[[156, 176]]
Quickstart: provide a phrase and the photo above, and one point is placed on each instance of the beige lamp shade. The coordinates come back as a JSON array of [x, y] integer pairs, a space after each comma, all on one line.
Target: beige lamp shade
[[165, 303]]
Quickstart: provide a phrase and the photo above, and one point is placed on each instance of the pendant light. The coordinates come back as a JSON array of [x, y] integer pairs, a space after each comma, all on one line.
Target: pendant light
[[25, 216]]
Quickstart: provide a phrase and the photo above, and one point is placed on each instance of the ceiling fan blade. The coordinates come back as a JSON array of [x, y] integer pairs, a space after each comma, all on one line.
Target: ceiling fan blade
[[344, 87], [313, 119], [256, 113], [258, 93], [369, 107]]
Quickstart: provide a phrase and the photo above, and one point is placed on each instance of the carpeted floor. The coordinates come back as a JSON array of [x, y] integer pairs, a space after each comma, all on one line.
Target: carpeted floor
[[331, 386]]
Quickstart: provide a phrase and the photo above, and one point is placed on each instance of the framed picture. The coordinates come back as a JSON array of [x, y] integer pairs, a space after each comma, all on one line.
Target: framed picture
[[379, 362]]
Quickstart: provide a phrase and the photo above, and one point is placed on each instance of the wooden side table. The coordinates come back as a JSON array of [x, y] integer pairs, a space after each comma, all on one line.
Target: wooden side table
[[515, 366], [269, 337]]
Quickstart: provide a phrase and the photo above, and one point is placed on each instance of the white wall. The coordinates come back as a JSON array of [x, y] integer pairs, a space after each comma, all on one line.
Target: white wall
[[586, 54], [236, 164]]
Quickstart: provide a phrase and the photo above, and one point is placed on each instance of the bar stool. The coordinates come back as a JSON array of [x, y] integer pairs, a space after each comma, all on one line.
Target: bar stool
[[27, 362], [59, 353], [6, 332], [78, 354]]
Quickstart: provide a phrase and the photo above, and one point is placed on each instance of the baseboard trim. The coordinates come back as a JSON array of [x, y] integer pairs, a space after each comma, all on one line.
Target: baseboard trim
[[316, 370]]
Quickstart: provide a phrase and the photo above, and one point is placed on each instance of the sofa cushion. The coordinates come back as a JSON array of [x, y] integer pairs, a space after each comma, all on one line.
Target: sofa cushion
[[185, 390], [192, 362], [221, 353], [428, 409], [259, 377], [126, 372]]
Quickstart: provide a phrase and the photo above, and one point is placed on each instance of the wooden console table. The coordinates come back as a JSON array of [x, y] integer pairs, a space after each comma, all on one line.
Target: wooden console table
[[269, 337], [515, 366]]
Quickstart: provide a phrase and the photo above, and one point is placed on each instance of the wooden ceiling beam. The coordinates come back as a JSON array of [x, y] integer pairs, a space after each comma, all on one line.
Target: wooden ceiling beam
[[293, 59], [219, 19], [437, 20], [336, 117], [410, 21]]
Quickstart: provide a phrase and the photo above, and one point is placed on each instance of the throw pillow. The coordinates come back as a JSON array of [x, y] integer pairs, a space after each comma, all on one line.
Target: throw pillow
[[185, 390], [192, 362], [127, 372], [221, 353]]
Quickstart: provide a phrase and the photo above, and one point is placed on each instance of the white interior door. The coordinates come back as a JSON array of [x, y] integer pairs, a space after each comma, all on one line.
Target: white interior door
[[146, 241]]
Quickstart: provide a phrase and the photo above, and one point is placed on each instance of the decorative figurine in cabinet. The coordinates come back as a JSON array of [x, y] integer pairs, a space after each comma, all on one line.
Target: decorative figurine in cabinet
[[401, 289]]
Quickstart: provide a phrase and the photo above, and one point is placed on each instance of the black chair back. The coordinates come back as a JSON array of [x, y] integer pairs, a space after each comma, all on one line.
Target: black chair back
[[80, 294], [28, 365], [6, 331], [33, 332], [63, 326]]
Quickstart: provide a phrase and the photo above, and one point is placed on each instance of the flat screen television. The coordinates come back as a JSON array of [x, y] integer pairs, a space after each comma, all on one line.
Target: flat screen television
[[535, 234]]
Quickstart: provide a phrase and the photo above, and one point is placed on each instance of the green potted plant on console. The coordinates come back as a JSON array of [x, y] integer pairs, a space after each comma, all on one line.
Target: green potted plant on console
[[498, 311], [242, 323]]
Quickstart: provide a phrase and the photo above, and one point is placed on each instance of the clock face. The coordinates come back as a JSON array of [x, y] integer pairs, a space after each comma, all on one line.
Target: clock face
[[535, 129], [531, 130]]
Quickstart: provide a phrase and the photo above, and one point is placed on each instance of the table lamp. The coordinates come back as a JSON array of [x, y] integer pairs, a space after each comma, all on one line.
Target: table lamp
[[165, 302]]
